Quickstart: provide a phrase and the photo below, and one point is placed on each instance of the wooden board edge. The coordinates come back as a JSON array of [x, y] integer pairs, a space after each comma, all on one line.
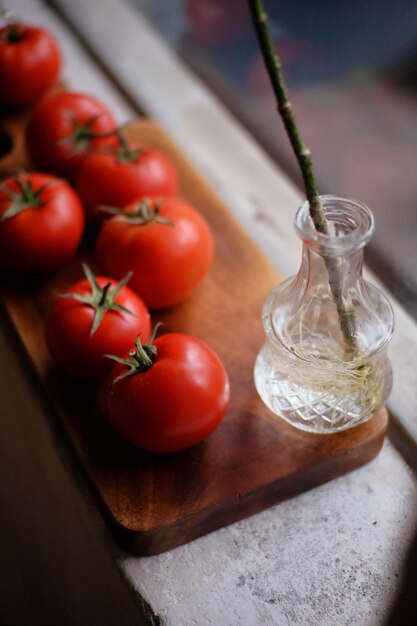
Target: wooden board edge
[[154, 542]]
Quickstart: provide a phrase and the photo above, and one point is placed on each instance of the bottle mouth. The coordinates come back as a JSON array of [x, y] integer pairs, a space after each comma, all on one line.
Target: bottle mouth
[[351, 225]]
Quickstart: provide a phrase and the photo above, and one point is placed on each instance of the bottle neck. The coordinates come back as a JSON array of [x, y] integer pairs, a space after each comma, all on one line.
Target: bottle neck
[[314, 268]]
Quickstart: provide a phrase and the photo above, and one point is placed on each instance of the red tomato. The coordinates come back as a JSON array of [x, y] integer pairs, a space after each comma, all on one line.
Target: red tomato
[[170, 400], [167, 245], [123, 176], [104, 317], [41, 222], [63, 129], [217, 21], [29, 63]]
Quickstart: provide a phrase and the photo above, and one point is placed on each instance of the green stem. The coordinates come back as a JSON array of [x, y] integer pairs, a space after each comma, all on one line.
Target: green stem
[[303, 156], [23, 199], [146, 211], [126, 154], [103, 298], [140, 358], [100, 299], [302, 153], [14, 34]]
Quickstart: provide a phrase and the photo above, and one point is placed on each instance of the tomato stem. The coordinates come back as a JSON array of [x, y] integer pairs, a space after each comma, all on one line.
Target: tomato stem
[[25, 198], [104, 294], [82, 135], [100, 299], [126, 154], [141, 357], [142, 213], [14, 33]]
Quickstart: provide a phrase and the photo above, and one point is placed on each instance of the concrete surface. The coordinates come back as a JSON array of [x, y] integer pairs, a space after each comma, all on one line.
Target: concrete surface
[[331, 556]]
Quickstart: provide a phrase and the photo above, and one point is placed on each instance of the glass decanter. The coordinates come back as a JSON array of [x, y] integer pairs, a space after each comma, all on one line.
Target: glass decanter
[[306, 372]]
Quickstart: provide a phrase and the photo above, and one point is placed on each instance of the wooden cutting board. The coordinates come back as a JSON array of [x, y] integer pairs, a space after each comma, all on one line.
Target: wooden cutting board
[[254, 460]]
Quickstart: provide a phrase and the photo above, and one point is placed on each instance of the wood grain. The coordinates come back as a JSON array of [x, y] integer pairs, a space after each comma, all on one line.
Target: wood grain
[[254, 460]]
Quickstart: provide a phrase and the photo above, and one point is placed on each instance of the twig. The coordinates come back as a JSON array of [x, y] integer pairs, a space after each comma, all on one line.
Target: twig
[[303, 156]]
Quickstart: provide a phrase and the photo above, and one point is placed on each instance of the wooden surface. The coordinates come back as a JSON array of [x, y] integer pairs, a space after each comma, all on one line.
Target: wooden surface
[[253, 460]]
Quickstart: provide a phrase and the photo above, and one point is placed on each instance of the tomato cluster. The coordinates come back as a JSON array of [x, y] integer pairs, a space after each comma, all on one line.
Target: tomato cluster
[[161, 394]]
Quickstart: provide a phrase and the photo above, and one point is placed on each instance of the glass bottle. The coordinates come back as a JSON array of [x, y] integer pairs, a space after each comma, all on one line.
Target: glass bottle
[[306, 373]]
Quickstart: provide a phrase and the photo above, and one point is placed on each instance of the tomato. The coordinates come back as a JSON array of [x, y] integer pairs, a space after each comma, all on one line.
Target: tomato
[[167, 395], [64, 127], [217, 21], [119, 177], [166, 244], [95, 317], [30, 62], [41, 222]]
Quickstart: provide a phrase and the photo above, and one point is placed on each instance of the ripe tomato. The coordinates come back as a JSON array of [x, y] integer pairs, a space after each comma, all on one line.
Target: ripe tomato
[[29, 63], [216, 22], [166, 244], [167, 395], [41, 222], [64, 128], [123, 176], [94, 317]]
